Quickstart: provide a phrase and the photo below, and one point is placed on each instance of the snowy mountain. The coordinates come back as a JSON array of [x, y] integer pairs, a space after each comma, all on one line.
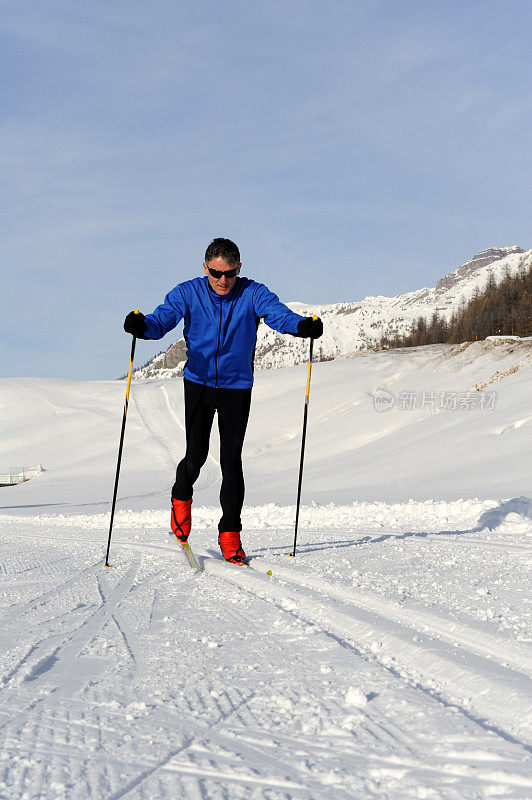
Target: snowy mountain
[[352, 327]]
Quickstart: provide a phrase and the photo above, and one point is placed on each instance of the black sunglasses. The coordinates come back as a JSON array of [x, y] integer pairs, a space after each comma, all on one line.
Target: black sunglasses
[[229, 273]]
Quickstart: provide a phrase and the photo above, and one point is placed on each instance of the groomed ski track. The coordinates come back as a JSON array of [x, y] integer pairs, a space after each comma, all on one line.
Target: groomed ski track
[[149, 679]]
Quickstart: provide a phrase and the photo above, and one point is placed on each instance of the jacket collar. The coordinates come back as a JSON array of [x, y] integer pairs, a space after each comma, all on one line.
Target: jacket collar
[[220, 297]]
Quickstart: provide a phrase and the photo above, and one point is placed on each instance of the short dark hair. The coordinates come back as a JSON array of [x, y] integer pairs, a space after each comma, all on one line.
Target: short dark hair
[[224, 248]]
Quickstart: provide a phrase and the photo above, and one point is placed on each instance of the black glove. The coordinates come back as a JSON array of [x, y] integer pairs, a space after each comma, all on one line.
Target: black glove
[[135, 323], [310, 328]]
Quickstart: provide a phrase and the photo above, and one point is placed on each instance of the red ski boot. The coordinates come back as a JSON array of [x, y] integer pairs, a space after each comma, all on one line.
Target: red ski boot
[[231, 547], [181, 518]]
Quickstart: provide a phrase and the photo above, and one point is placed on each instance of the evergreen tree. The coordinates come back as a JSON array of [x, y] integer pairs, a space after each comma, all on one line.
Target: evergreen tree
[[500, 309]]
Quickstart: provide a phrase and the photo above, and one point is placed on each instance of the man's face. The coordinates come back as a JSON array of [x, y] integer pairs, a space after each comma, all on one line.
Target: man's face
[[221, 285]]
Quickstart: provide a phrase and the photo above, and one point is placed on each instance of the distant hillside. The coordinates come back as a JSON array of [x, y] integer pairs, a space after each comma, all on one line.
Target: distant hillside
[[501, 309], [355, 326]]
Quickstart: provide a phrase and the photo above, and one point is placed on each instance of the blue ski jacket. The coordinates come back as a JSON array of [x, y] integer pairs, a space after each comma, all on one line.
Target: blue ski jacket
[[220, 331]]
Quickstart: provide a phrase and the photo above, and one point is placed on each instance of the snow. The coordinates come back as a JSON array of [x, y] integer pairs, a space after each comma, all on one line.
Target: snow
[[389, 659], [355, 697]]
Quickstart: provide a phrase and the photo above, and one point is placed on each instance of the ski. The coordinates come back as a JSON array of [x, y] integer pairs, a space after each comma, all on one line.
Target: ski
[[188, 552], [190, 555], [192, 560]]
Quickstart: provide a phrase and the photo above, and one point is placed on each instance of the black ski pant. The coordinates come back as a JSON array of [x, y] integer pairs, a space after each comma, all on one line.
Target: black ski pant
[[233, 407]]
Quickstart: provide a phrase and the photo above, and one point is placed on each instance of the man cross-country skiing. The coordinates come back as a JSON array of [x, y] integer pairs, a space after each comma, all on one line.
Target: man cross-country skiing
[[221, 312]]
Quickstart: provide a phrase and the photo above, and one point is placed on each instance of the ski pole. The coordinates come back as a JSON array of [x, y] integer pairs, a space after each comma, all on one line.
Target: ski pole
[[304, 436], [133, 343]]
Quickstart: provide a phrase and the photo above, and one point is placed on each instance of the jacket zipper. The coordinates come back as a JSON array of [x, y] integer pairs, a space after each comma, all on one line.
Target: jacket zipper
[[218, 347]]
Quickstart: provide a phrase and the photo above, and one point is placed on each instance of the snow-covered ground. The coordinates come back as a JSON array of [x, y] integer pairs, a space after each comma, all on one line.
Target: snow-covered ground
[[389, 659]]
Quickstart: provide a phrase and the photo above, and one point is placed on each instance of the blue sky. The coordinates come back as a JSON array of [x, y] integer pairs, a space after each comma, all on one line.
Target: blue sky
[[349, 148]]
